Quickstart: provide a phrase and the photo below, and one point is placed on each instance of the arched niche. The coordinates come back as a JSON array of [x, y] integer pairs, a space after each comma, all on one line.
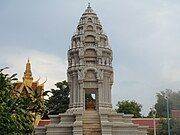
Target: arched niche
[[89, 28], [90, 75], [90, 53], [92, 69], [80, 30], [90, 20], [103, 41], [89, 39]]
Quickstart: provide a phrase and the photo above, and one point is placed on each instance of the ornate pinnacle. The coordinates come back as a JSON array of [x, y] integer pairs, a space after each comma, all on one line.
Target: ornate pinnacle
[[28, 73], [89, 5]]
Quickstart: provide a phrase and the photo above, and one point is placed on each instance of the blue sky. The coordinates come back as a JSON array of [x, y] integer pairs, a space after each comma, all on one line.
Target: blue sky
[[144, 36]]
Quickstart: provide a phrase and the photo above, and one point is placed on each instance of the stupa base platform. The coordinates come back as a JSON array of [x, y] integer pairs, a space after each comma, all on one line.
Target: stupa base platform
[[74, 122]]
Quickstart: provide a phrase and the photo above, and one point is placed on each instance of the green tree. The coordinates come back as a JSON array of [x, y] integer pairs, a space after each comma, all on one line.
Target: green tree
[[174, 102], [129, 107], [35, 103], [162, 127], [14, 118], [176, 126], [161, 108], [59, 101]]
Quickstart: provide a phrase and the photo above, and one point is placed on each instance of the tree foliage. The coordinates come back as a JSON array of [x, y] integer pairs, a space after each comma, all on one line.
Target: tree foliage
[[17, 113], [14, 118], [174, 127], [129, 107], [174, 102], [59, 101], [162, 127], [35, 103], [161, 108]]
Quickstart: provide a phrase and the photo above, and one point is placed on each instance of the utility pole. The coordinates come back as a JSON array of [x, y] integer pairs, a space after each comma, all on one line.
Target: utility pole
[[153, 111], [167, 101]]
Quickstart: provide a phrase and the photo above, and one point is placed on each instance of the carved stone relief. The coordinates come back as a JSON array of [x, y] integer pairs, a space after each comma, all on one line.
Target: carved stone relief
[[101, 74], [90, 38], [90, 74], [80, 75], [90, 53]]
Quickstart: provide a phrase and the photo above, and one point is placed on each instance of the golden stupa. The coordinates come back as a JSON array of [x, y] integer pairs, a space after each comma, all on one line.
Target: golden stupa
[[27, 87]]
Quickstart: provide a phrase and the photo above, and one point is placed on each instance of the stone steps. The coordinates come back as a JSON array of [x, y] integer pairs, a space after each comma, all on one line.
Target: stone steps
[[91, 123]]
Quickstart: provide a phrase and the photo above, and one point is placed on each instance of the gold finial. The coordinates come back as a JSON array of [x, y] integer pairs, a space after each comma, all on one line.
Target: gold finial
[[28, 59]]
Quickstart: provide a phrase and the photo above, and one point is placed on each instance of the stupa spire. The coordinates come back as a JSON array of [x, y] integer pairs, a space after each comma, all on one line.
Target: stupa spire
[[28, 74], [89, 5]]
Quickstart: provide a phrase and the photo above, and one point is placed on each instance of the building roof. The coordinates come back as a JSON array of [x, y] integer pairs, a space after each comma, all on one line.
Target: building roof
[[27, 86], [42, 123], [145, 121]]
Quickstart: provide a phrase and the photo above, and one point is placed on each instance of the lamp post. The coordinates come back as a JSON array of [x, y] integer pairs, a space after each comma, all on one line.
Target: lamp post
[[153, 111], [167, 101]]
